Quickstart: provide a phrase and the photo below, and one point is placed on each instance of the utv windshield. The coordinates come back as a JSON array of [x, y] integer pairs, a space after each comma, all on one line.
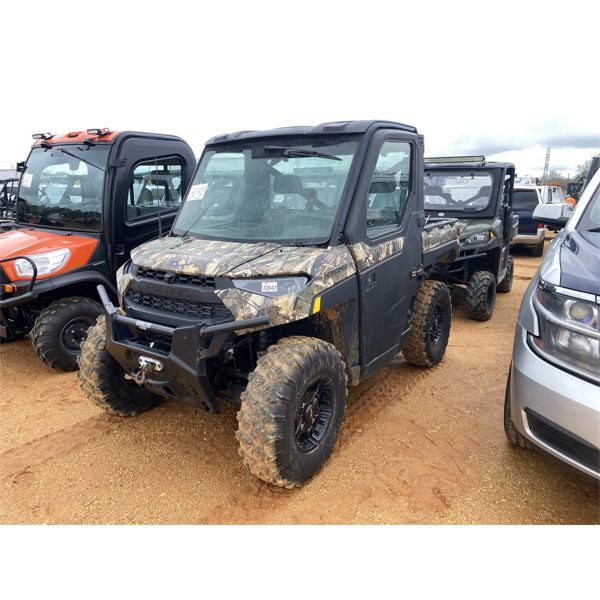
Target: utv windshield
[[286, 191], [62, 187], [462, 191]]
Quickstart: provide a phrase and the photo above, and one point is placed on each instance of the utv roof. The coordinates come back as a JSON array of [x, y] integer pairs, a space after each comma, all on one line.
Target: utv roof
[[94, 136], [322, 129]]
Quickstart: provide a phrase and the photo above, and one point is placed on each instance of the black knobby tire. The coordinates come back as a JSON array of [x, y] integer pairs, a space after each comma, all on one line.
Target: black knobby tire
[[430, 325], [538, 249], [512, 435], [60, 328], [480, 298], [103, 381], [292, 410], [505, 285]]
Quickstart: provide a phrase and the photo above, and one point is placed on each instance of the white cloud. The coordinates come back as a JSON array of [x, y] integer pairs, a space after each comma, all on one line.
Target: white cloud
[[455, 70]]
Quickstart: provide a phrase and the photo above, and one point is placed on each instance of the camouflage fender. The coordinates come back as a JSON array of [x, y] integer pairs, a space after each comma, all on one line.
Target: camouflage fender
[[436, 236], [324, 266], [366, 256]]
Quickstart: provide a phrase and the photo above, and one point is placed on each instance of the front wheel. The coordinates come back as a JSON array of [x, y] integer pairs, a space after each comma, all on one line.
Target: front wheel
[[292, 410], [105, 383], [481, 296], [60, 328], [512, 435], [430, 325]]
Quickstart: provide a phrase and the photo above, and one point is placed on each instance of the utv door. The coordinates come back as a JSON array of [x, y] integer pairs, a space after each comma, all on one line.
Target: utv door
[[148, 192], [390, 245]]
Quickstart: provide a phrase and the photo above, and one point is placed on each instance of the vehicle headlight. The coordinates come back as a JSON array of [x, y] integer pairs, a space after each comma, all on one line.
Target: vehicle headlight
[[271, 287], [479, 238], [45, 263], [569, 332]]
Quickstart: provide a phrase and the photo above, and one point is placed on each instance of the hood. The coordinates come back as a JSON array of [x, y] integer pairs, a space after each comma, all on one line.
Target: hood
[[28, 242], [580, 263], [192, 256]]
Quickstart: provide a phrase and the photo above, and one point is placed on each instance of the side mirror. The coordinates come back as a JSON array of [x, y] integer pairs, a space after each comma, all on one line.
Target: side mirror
[[20, 166], [554, 215]]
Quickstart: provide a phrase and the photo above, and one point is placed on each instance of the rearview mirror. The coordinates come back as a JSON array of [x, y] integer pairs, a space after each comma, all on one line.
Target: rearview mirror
[[554, 215]]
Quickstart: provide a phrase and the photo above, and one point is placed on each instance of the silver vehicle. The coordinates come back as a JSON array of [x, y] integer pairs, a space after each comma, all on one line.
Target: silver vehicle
[[531, 233], [553, 389]]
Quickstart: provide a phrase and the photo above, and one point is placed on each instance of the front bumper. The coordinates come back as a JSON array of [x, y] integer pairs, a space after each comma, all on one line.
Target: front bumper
[[182, 352], [555, 410], [529, 239]]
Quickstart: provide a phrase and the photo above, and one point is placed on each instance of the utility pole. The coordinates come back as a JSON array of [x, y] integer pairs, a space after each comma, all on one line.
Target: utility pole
[[545, 175]]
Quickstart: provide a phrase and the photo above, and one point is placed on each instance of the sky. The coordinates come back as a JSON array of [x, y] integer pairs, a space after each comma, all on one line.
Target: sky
[[504, 79]]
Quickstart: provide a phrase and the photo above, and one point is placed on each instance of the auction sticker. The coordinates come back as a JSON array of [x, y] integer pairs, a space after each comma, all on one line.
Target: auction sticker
[[197, 191], [27, 179]]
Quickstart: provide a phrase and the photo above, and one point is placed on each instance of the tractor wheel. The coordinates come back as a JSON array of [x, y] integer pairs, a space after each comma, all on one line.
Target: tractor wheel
[[103, 381], [292, 410], [506, 284], [512, 435], [60, 328], [538, 249], [430, 325], [481, 296]]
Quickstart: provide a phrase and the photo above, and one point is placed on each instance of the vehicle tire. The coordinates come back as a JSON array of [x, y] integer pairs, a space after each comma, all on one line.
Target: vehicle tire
[[60, 328], [506, 284], [538, 249], [103, 380], [292, 410], [430, 325], [512, 435], [480, 298]]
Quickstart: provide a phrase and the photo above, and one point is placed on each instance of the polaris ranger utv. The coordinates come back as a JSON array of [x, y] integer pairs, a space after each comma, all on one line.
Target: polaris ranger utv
[[480, 195], [297, 262], [84, 200]]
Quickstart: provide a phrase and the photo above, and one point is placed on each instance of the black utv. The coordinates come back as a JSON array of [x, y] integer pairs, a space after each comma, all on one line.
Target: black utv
[[479, 194], [297, 263]]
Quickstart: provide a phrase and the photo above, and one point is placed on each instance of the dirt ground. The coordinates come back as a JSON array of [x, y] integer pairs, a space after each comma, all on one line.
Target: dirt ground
[[417, 446]]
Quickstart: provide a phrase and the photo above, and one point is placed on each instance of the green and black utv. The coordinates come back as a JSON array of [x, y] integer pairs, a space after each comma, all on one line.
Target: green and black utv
[[480, 195], [298, 263]]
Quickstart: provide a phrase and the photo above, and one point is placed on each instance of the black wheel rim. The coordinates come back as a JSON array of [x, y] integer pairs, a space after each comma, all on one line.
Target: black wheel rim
[[313, 415], [74, 332], [437, 319]]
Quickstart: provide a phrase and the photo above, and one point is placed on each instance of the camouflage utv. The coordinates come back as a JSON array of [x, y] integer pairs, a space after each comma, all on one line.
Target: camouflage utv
[[480, 195], [298, 263]]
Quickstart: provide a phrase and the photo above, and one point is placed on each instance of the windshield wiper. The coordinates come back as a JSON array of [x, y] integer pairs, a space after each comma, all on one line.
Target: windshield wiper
[[87, 162], [290, 152], [593, 230]]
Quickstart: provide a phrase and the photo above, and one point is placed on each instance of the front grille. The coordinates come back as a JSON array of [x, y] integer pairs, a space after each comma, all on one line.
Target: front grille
[[214, 311], [155, 275], [563, 441]]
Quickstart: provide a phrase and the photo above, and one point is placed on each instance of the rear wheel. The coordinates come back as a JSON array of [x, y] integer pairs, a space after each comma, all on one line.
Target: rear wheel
[[292, 410], [512, 435], [105, 383], [480, 298], [60, 328], [538, 250], [506, 284], [430, 325]]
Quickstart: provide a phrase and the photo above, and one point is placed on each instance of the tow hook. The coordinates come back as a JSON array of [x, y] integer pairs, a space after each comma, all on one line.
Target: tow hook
[[147, 365]]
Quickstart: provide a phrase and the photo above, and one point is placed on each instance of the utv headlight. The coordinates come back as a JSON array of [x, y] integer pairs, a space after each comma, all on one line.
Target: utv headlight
[[271, 287], [45, 263], [479, 238], [569, 332]]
